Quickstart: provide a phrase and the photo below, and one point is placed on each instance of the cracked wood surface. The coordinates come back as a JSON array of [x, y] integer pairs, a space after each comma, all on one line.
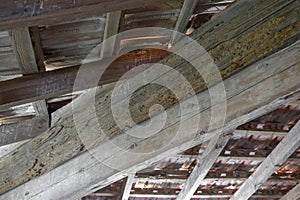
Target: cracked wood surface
[[49, 150]]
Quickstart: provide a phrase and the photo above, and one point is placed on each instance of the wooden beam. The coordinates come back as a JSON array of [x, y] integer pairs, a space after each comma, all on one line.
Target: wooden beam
[[51, 84], [278, 156], [22, 130], [27, 129], [127, 189], [255, 95], [10, 147], [111, 29], [183, 18], [293, 193], [25, 14], [83, 167], [201, 169]]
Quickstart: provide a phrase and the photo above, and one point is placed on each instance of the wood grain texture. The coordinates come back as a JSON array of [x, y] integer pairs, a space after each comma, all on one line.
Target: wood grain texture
[[49, 84], [293, 193], [63, 136], [205, 162], [278, 156], [20, 13], [250, 94]]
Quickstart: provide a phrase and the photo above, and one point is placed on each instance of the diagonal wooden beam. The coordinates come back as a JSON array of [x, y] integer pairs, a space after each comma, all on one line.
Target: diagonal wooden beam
[[83, 167], [183, 18], [278, 156], [292, 194], [205, 162], [262, 87], [111, 29], [30, 13], [126, 193]]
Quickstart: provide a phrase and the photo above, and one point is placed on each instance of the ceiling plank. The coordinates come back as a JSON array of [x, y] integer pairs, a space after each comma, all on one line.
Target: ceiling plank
[[278, 156], [126, 193], [205, 162], [293, 193], [31, 13], [82, 167]]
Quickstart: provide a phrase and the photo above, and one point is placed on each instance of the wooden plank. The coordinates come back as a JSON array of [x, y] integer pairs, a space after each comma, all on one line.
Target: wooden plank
[[84, 167], [21, 42], [204, 164], [183, 18], [278, 156], [10, 147], [293, 193], [51, 84], [19, 14], [127, 189], [111, 29], [229, 38], [22, 130], [257, 90]]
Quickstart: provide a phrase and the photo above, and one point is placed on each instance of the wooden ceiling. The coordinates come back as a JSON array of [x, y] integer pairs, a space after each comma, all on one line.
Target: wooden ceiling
[[44, 44]]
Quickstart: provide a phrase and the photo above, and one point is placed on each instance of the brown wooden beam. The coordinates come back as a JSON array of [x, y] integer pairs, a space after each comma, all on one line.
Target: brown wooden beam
[[20, 13], [50, 84]]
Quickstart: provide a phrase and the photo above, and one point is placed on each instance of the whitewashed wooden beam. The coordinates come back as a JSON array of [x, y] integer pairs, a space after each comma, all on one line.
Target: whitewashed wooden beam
[[10, 147], [130, 180], [62, 182], [201, 169], [111, 29], [278, 156], [186, 12], [292, 194]]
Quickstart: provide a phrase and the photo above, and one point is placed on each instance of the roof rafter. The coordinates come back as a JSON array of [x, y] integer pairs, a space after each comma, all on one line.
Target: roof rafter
[[283, 150], [205, 162]]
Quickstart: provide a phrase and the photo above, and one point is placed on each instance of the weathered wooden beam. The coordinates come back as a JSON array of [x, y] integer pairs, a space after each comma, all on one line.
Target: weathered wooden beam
[[83, 167], [16, 14], [21, 42], [201, 169], [293, 193], [255, 95], [10, 147], [183, 18], [278, 156], [127, 189], [111, 29], [51, 84], [22, 130]]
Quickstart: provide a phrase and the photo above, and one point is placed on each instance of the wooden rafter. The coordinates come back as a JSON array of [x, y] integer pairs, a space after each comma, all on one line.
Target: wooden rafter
[[206, 161], [255, 81], [293, 193], [183, 18], [130, 180], [111, 29], [51, 84], [91, 182], [277, 157]]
